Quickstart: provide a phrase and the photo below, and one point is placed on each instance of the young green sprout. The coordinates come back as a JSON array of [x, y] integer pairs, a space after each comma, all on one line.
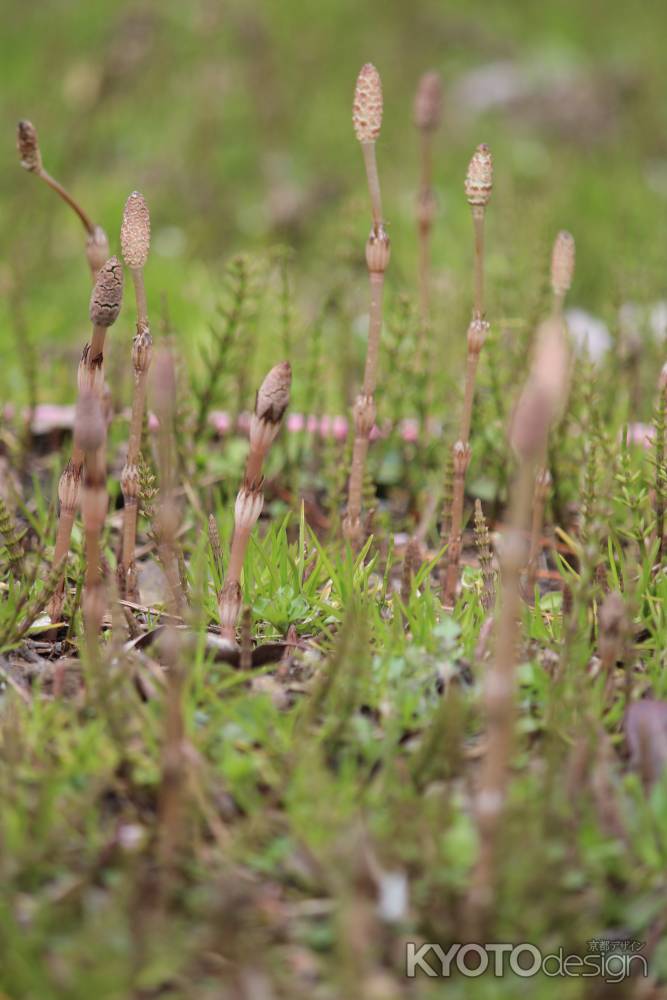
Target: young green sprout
[[105, 303], [135, 237], [367, 119], [427, 112], [97, 244], [270, 405], [539, 405], [478, 187]]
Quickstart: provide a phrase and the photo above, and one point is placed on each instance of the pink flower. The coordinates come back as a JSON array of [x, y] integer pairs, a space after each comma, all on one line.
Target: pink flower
[[409, 429], [325, 426], [312, 424], [51, 417], [641, 434], [295, 422], [243, 423], [220, 421], [153, 422], [339, 427]]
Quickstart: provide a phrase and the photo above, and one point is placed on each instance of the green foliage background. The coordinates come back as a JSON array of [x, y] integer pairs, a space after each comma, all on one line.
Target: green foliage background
[[233, 118]]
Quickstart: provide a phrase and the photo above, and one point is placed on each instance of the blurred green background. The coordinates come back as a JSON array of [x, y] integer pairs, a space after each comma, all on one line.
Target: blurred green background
[[233, 118]]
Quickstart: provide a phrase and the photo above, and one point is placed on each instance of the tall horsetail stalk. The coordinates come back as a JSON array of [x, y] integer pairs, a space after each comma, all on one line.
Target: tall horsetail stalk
[[105, 303], [478, 187], [135, 235], [270, 405], [562, 272], [540, 403], [90, 440], [97, 244], [367, 119], [173, 766], [427, 113], [660, 422]]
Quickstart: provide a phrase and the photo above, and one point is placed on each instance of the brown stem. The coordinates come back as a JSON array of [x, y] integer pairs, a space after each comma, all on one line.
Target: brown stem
[[94, 489], [253, 468], [63, 536], [461, 453], [558, 303], [539, 502], [67, 197], [364, 414], [374, 331], [140, 296], [468, 396], [425, 222], [370, 162], [352, 522], [237, 555], [499, 698], [130, 499], [67, 514], [478, 226], [97, 342]]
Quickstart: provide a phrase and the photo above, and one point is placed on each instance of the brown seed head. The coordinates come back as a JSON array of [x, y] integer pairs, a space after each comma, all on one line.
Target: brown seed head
[[97, 249], [428, 102], [27, 144], [479, 179], [562, 263], [273, 394], [107, 296], [135, 231], [89, 425], [367, 106]]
